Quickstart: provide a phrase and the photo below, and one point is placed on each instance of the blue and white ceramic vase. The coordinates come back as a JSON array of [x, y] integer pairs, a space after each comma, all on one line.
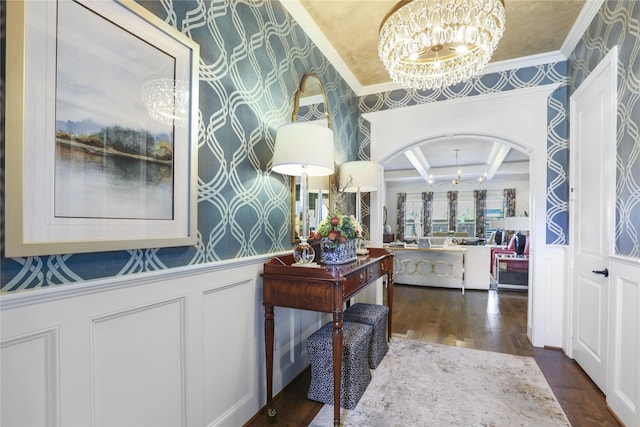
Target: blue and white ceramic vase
[[341, 254]]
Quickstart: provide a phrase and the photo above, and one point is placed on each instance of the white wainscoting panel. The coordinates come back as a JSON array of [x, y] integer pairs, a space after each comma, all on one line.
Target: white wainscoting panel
[[623, 386], [547, 289], [30, 371], [138, 364], [229, 384], [292, 327], [180, 347]]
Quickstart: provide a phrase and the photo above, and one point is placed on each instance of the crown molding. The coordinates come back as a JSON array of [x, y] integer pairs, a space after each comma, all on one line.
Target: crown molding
[[588, 12], [492, 67], [309, 26], [302, 17]]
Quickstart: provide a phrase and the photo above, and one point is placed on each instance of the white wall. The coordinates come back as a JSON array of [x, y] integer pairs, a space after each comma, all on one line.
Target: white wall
[[176, 348]]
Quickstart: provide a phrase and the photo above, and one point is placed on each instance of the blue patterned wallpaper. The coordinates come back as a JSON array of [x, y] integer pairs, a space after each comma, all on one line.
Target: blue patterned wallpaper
[[557, 140], [618, 23], [253, 58]]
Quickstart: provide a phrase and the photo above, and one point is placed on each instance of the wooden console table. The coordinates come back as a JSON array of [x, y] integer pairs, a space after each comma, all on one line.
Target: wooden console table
[[324, 289]]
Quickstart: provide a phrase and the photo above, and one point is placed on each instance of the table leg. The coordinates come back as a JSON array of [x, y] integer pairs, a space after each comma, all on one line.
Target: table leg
[[337, 337], [389, 302], [268, 347], [463, 275]]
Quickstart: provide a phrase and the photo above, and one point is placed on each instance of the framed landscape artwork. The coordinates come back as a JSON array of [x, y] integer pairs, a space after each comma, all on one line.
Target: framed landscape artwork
[[100, 127]]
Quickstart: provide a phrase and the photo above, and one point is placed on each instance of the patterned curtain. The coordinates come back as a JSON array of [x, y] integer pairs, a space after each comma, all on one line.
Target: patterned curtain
[[509, 201], [480, 197], [452, 197], [402, 202], [427, 213]]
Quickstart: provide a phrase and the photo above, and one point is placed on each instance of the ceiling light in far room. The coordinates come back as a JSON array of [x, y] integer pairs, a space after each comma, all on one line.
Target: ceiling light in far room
[[428, 44], [456, 180], [457, 175]]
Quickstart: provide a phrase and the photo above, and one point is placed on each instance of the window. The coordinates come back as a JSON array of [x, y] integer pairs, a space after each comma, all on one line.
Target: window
[[495, 211], [413, 216], [466, 218], [440, 223]]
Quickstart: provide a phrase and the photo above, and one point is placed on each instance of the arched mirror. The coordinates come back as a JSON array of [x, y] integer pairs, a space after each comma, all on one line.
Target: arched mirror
[[311, 106], [311, 102]]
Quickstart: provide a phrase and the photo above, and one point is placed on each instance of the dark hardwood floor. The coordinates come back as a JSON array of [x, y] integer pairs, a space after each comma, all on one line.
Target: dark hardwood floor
[[493, 321]]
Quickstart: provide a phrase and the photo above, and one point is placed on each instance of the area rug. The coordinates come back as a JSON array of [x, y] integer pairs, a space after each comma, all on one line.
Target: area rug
[[424, 384]]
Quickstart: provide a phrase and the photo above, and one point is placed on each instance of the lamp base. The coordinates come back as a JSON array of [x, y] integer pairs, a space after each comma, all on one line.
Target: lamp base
[[303, 253], [361, 248]]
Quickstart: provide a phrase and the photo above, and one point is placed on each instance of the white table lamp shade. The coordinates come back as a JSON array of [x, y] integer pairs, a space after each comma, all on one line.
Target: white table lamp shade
[[360, 175], [303, 148], [517, 223]]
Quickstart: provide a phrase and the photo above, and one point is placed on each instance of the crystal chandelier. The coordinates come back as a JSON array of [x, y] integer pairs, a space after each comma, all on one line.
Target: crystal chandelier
[[167, 100], [427, 44]]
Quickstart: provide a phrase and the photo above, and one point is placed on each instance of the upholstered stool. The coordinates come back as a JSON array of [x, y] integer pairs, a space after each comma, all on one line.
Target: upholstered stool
[[375, 315], [355, 367]]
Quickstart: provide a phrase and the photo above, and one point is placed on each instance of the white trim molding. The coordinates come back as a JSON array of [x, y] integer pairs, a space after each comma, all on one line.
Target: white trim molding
[[518, 118]]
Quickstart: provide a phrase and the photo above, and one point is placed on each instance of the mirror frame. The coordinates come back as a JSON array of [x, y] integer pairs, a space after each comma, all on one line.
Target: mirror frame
[[300, 92], [307, 78]]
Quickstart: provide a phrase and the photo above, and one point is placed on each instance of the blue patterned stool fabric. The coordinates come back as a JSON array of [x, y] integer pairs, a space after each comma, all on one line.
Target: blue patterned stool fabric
[[375, 315], [355, 367]]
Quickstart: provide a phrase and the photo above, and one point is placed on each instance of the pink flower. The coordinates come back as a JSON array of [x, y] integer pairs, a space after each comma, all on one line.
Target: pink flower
[[335, 221]]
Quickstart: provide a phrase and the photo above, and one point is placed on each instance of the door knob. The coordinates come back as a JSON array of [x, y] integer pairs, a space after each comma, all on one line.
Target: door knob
[[604, 272]]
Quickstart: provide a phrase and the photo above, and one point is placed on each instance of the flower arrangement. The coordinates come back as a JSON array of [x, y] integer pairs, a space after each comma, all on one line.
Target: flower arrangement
[[338, 228]]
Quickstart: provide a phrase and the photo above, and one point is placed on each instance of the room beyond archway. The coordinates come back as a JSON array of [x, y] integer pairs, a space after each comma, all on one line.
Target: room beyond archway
[[519, 117]]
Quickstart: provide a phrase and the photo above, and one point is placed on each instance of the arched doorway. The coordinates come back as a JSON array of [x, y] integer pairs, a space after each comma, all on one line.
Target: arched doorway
[[519, 117], [483, 168]]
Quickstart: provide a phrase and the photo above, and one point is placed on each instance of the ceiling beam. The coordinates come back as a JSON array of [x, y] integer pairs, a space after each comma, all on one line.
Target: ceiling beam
[[469, 173], [496, 157], [419, 162]]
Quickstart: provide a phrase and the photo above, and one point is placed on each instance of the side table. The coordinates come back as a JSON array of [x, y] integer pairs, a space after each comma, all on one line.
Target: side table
[[325, 289]]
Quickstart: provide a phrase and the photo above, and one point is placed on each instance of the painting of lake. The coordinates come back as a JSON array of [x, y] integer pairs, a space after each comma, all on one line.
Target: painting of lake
[[112, 161], [96, 179]]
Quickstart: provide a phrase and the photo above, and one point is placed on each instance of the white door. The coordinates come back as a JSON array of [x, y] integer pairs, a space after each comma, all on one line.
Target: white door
[[593, 127]]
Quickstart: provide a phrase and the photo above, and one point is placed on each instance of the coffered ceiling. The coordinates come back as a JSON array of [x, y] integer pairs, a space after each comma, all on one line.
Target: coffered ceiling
[[347, 31]]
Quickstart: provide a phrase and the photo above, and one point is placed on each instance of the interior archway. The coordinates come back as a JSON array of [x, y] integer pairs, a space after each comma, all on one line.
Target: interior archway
[[486, 163], [518, 117]]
